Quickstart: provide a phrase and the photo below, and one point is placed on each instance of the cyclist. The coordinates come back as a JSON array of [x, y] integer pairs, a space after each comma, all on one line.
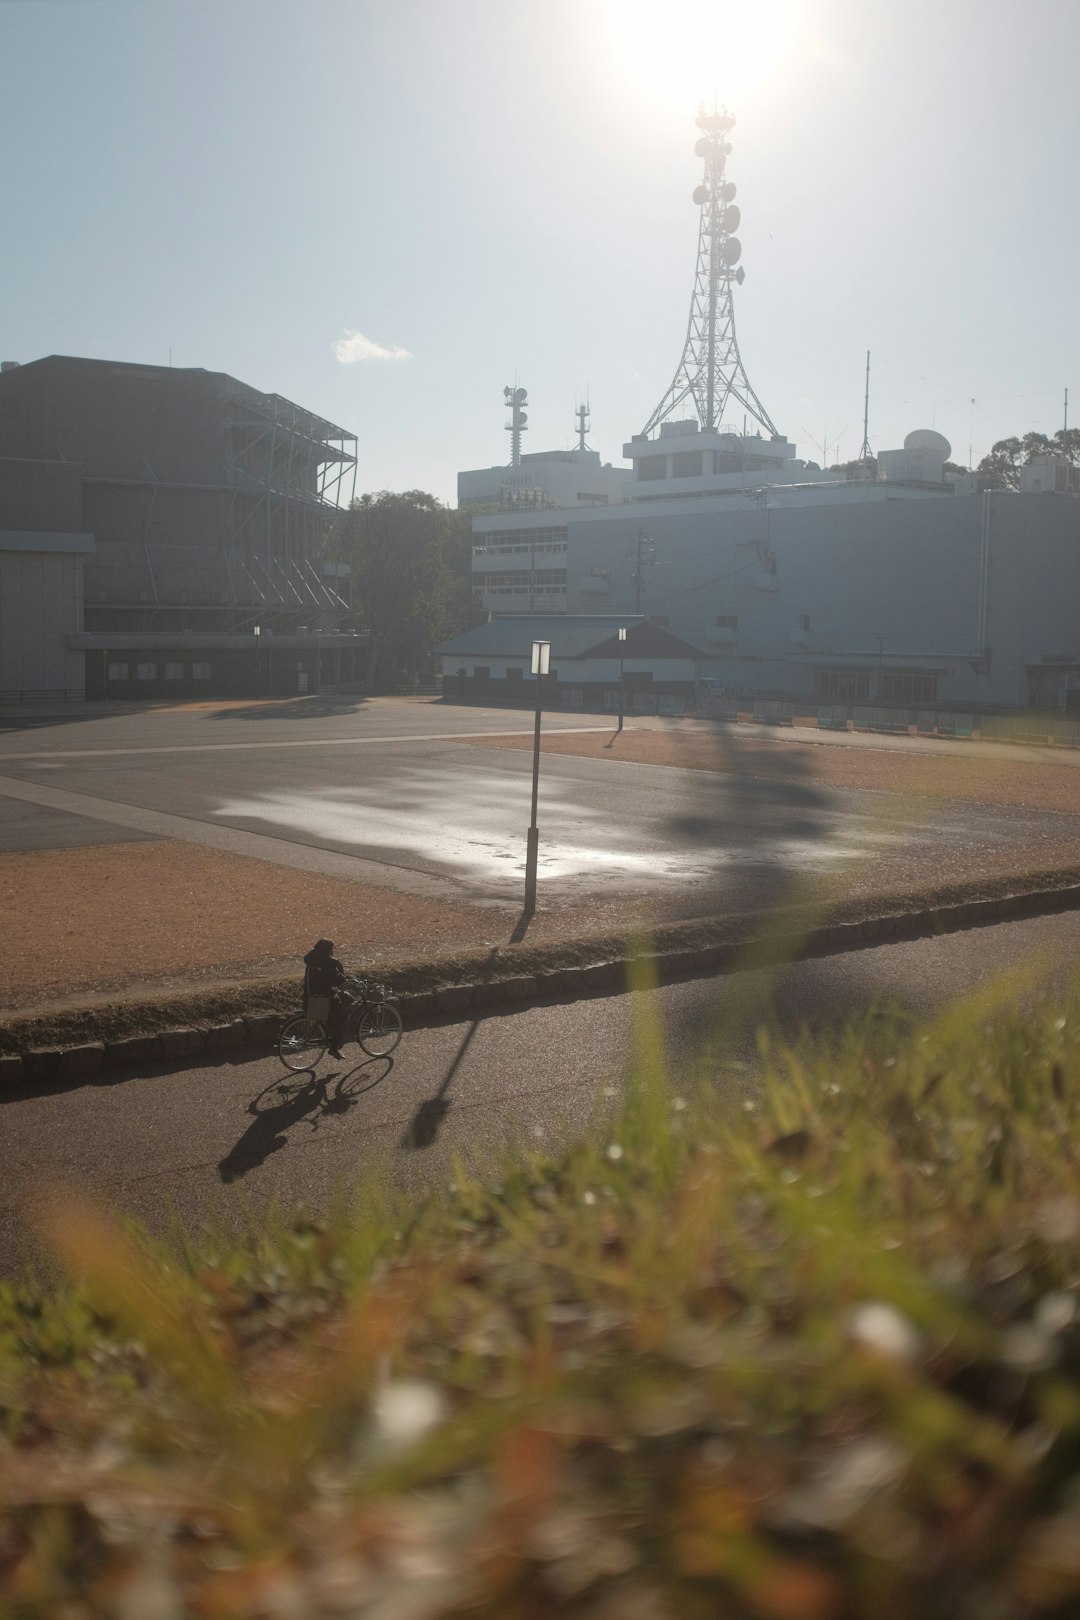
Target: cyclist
[[324, 981]]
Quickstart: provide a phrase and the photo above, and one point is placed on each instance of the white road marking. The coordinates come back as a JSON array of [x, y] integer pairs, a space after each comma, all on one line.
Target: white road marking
[[294, 742]]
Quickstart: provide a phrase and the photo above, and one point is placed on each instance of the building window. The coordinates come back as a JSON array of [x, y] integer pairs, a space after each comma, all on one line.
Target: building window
[[727, 621], [174, 672], [686, 464], [506, 542], [118, 672], [843, 685], [146, 672], [652, 467], [903, 687], [200, 672]]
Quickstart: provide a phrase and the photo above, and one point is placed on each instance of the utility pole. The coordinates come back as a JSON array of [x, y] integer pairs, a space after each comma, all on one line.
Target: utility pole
[[640, 552]]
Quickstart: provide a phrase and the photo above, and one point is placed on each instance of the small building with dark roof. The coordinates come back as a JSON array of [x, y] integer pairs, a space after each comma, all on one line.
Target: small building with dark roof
[[656, 670]]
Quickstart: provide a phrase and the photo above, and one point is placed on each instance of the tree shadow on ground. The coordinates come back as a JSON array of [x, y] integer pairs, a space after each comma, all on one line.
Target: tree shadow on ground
[[320, 707]]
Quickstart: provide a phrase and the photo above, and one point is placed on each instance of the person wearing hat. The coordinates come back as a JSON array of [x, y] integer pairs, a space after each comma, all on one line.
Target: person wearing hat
[[324, 983]]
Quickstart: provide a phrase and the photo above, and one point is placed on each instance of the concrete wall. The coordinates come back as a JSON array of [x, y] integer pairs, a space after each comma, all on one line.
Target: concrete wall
[[40, 603], [120, 421], [887, 586]]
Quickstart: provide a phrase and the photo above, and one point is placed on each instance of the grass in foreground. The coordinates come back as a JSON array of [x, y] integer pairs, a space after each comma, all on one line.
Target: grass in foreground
[[818, 1359]]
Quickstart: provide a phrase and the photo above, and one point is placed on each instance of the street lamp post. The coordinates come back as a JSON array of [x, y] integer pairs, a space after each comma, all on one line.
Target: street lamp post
[[541, 661], [622, 654]]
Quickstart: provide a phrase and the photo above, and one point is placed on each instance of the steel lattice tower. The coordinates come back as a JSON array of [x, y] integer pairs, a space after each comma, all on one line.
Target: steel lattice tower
[[711, 372]]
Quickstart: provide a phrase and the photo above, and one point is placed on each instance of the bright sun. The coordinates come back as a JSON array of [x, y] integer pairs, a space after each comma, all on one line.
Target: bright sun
[[699, 50]]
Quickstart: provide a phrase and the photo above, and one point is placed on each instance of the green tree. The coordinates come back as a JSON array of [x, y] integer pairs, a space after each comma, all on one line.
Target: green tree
[[410, 558], [1002, 466]]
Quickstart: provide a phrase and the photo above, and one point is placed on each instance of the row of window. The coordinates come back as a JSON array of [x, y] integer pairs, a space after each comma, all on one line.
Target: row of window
[[149, 672], [521, 589], [522, 540], [521, 580], [892, 686], [556, 548]]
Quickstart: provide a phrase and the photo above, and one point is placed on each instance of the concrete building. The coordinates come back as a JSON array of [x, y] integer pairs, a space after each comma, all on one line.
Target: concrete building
[[656, 672], [200, 507], [544, 480], [43, 549], [891, 593], [901, 587]]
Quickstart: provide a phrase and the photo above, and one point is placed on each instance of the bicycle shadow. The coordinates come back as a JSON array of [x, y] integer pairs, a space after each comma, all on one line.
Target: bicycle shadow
[[285, 1103]]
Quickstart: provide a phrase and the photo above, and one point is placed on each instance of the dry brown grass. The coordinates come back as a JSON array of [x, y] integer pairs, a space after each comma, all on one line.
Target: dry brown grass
[[93, 921], [1008, 780]]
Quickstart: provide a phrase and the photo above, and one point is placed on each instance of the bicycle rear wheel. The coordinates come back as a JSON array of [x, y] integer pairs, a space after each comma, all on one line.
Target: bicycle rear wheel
[[302, 1043], [379, 1029]]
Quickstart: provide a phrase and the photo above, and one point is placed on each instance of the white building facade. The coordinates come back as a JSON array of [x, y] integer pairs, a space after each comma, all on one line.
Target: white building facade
[[798, 585]]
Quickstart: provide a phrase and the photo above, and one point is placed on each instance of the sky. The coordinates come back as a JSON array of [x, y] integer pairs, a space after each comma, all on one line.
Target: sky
[[387, 210]]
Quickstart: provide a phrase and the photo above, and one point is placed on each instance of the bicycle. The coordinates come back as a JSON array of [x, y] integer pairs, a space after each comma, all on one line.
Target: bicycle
[[373, 1020]]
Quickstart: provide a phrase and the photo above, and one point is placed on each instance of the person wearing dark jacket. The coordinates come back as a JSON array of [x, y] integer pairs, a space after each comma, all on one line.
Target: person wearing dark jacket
[[325, 976]]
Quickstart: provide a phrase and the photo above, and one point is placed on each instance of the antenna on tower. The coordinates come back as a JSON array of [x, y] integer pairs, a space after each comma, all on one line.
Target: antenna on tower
[[582, 414], [865, 454], [518, 424], [711, 373]]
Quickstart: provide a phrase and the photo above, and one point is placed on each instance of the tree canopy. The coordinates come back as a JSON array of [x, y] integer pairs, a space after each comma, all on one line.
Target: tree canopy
[[1002, 466], [411, 558]]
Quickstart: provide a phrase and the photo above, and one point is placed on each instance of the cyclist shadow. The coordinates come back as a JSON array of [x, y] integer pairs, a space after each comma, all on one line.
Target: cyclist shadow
[[284, 1103]]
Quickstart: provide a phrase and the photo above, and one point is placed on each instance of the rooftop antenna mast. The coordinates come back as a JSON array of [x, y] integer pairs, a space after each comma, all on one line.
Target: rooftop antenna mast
[[582, 414], [711, 374], [518, 424], [866, 454]]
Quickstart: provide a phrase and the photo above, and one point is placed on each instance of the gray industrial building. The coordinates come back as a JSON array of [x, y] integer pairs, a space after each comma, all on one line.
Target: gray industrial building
[[913, 595], [162, 533], [900, 583]]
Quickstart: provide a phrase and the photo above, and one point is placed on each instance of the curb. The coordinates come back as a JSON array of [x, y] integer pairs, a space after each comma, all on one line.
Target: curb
[[740, 952]]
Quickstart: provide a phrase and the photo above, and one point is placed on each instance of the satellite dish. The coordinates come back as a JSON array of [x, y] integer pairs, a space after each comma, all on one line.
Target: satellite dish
[[927, 439], [727, 191], [522, 418], [701, 194], [730, 219], [521, 396], [739, 276], [732, 251], [703, 147]]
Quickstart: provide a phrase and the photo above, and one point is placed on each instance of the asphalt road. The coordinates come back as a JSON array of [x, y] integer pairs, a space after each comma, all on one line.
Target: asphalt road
[[404, 794], [222, 1142]]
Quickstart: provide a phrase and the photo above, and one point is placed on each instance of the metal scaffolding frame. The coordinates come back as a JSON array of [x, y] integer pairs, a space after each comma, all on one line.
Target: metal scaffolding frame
[[288, 471]]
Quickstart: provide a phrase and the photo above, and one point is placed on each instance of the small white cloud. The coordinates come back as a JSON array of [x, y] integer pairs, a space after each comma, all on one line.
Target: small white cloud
[[355, 346]]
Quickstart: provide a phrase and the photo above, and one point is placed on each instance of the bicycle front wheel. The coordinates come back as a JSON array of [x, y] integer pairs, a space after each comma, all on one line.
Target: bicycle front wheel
[[302, 1043], [379, 1029]]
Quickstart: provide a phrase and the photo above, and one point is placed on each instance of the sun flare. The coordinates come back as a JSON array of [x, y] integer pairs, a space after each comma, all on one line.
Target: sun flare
[[699, 50]]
